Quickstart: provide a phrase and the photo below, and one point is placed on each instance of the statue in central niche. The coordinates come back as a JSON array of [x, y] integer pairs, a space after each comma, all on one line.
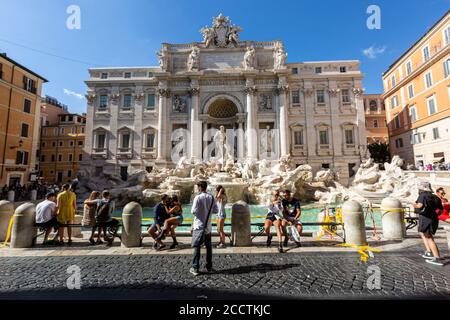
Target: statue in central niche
[[222, 147]]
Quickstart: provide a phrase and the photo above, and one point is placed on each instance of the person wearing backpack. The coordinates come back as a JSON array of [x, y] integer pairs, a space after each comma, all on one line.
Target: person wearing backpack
[[203, 206], [428, 206], [103, 216]]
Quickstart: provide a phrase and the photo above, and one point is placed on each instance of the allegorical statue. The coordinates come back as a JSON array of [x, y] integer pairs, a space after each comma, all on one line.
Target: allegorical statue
[[193, 59], [179, 105], [222, 148], [162, 59], [250, 58], [280, 56], [266, 141]]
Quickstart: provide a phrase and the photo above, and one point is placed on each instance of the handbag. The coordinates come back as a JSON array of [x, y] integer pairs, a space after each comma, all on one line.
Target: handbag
[[198, 236]]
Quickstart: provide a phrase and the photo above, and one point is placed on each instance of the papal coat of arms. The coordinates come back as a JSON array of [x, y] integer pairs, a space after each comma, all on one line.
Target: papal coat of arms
[[222, 34]]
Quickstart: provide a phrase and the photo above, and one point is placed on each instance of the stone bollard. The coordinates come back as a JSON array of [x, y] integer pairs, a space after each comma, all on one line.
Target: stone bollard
[[23, 230], [6, 212], [353, 219], [11, 195], [241, 235], [131, 225], [392, 216], [33, 195]]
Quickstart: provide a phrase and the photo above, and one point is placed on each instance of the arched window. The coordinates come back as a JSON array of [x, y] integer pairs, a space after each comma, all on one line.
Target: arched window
[[373, 105]]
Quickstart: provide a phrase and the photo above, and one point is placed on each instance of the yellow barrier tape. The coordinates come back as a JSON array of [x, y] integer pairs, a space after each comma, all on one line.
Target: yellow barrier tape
[[392, 210], [361, 250], [8, 232]]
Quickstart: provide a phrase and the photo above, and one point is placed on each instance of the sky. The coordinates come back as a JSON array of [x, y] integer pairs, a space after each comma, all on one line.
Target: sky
[[128, 33]]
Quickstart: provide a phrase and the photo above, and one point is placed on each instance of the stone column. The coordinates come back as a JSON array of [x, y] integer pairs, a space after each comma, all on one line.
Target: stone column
[[336, 135], [283, 125], [240, 139], [162, 126], [310, 139], [196, 126], [252, 140], [137, 136], [360, 135]]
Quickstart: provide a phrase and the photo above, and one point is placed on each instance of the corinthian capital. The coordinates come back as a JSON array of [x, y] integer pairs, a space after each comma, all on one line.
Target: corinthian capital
[[164, 92], [194, 91], [90, 97], [333, 92], [250, 90], [138, 96], [357, 91]]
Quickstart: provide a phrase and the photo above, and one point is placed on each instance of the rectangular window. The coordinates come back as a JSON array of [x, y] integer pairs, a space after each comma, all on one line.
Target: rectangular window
[[394, 102], [70, 157], [393, 81], [375, 123], [80, 143], [98, 171], [103, 101], [410, 91], [29, 84], [24, 130], [298, 137], [320, 96], [126, 141], [127, 100], [27, 106], [127, 75], [399, 143], [349, 136], [101, 141], [80, 157], [104, 75], [446, 68], [342, 69], [149, 143], [294, 70], [53, 158], [413, 114], [61, 143], [61, 131], [295, 97], [323, 137], [431, 105], [408, 68], [428, 80], [447, 35], [151, 101], [69, 173], [59, 157], [22, 157], [318, 70], [426, 53], [345, 96], [43, 158], [436, 133], [396, 122], [71, 143]]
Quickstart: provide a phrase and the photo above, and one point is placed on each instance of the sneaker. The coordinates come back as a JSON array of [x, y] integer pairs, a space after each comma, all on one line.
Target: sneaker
[[436, 261], [285, 243], [298, 244], [194, 271], [427, 255], [155, 246], [269, 241], [280, 249], [221, 246]]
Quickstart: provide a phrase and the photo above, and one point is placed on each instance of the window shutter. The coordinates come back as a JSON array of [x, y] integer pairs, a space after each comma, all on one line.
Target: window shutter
[[18, 157], [25, 160], [25, 82]]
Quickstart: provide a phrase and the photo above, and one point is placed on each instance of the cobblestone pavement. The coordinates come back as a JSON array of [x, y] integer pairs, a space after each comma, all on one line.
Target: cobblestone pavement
[[237, 276]]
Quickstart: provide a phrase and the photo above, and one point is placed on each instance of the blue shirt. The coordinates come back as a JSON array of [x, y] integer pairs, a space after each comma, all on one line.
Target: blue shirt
[[160, 214]]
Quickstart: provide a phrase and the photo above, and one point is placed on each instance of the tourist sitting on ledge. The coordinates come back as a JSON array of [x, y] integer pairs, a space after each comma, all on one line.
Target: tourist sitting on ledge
[[445, 215], [160, 216], [292, 212], [274, 217], [46, 215], [175, 212]]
